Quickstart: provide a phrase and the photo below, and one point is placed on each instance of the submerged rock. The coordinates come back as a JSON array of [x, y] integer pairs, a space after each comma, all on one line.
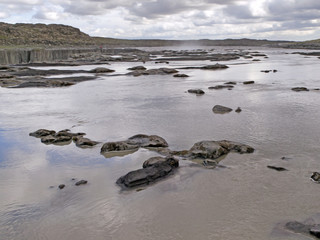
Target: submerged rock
[[81, 182], [42, 133], [221, 87], [181, 75], [238, 110], [248, 82], [137, 68], [82, 142], [196, 91], [214, 67], [279, 169], [221, 109], [300, 89], [149, 174], [101, 70]]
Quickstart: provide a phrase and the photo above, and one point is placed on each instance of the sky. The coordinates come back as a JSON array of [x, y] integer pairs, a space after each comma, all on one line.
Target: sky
[[296, 20]]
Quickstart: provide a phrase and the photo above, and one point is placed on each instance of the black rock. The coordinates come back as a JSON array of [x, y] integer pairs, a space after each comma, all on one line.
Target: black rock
[[300, 89], [315, 177], [61, 186], [81, 182], [196, 91], [181, 75], [238, 110], [279, 169], [248, 82], [149, 174], [315, 231]]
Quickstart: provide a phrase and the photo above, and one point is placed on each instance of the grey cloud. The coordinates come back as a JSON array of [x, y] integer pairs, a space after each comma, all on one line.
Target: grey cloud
[[238, 11]]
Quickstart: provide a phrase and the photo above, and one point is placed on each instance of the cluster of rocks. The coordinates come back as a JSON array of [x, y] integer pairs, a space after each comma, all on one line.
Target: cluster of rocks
[[78, 183], [63, 137], [23, 77], [206, 152], [160, 71], [268, 71]]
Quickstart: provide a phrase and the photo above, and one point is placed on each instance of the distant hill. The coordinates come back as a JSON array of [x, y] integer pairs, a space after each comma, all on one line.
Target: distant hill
[[54, 35]]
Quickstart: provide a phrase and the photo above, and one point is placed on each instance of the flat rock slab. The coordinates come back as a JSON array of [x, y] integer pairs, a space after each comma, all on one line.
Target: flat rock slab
[[300, 89]]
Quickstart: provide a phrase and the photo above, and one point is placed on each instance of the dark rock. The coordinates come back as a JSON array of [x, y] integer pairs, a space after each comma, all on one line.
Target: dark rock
[[221, 87], [285, 158], [235, 146], [207, 150], [315, 177], [84, 142], [256, 60], [238, 110], [61, 186], [81, 182], [42, 133], [101, 70], [143, 140], [137, 68], [315, 231], [67, 133], [181, 75], [196, 91], [297, 227], [32, 84], [274, 70], [118, 146], [149, 174], [300, 89], [221, 109], [279, 169], [157, 160], [56, 139], [230, 83], [266, 71], [214, 67], [159, 71], [248, 82]]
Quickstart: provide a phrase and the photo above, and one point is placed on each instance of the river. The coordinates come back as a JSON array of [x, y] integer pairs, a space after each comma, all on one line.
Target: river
[[244, 200]]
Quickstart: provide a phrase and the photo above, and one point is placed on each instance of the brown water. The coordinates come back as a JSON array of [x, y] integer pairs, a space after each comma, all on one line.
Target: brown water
[[245, 200]]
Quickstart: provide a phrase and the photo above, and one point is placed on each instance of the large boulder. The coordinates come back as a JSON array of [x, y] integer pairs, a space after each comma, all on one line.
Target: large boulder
[[148, 174]]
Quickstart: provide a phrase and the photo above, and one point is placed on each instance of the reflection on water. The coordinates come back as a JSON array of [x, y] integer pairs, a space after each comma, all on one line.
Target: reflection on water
[[244, 200]]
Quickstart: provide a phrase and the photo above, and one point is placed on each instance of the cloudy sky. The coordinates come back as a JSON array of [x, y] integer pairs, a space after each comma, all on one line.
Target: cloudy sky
[[174, 19]]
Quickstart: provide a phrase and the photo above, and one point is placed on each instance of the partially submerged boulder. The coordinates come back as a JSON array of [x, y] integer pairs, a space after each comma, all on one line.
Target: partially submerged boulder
[[221, 109], [148, 174], [132, 144], [300, 89], [196, 91]]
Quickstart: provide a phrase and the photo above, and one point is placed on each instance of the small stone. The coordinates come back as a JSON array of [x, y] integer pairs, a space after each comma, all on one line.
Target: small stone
[[196, 91], [279, 169], [248, 82], [315, 177], [238, 110], [81, 182], [61, 186]]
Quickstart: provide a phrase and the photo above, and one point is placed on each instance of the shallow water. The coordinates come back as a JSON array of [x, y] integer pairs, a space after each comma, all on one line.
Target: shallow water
[[245, 200]]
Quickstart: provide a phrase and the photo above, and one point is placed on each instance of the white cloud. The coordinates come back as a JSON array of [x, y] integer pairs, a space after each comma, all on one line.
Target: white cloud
[[180, 19]]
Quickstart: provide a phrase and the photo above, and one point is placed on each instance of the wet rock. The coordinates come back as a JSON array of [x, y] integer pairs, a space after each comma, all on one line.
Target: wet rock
[[266, 71], [196, 91], [55, 139], [181, 75], [315, 231], [279, 169], [81, 182], [153, 160], [221, 87], [206, 150], [66, 132], [42, 133], [82, 142], [141, 68], [61, 186], [143, 140], [221, 109], [118, 146], [297, 227], [248, 82], [159, 71], [238, 110], [315, 177], [216, 66], [230, 83], [101, 70], [149, 174], [300, 89], [236, 147]]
